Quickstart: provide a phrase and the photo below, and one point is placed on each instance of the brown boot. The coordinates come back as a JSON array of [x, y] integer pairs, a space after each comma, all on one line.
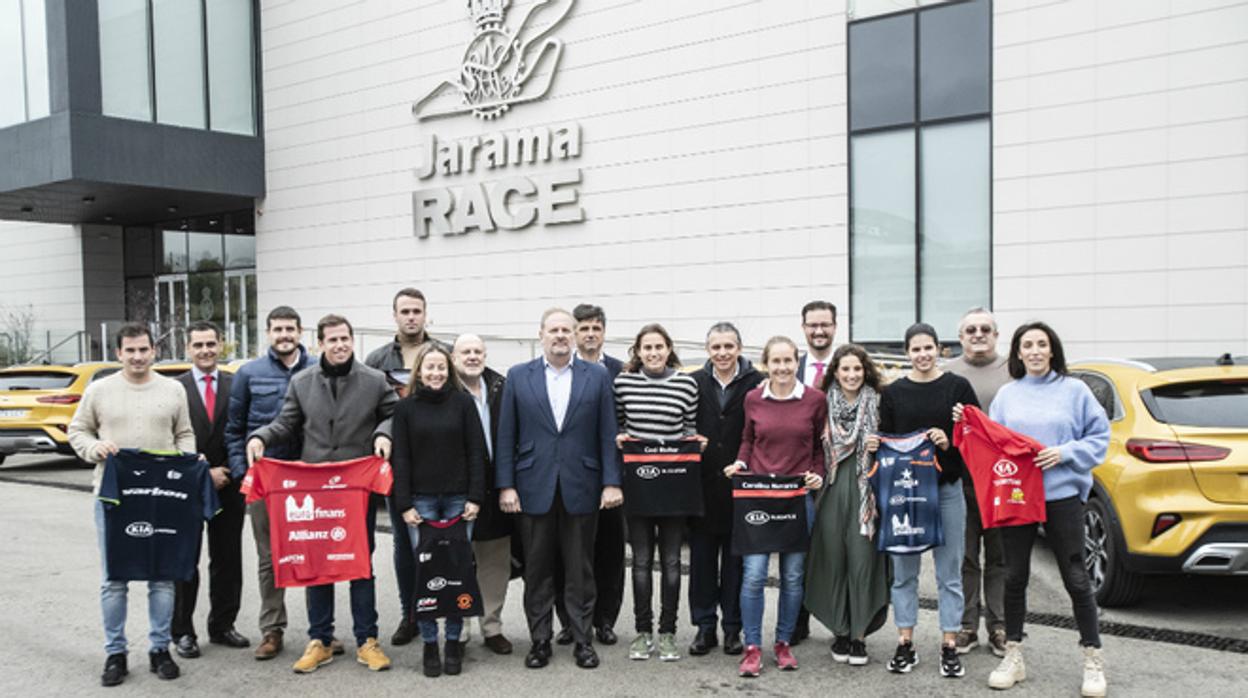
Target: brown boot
[[270, 646]]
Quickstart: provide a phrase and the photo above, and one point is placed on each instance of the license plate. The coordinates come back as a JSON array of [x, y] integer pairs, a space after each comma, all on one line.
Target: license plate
[[12, 414]]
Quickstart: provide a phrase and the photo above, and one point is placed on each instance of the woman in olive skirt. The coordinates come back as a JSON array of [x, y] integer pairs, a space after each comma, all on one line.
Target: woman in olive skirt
[[847, 580]]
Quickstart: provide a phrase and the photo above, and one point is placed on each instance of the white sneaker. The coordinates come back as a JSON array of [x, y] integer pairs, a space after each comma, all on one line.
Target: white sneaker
[[1011, 670], [1093, 672]]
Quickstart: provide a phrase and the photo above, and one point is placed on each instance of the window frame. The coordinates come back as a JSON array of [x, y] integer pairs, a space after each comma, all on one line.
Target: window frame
[[916, 126]]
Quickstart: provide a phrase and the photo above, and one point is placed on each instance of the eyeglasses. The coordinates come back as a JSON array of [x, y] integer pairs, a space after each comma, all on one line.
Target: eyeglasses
[[981, 329]]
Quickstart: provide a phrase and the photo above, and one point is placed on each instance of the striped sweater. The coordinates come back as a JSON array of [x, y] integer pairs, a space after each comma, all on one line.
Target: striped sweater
[[661, 409]]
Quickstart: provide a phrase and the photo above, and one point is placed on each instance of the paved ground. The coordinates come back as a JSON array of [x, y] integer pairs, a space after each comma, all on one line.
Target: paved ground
[[49, 580]]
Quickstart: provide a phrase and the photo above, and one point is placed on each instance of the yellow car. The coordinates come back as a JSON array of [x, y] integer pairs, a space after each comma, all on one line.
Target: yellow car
[[38, 402], [1172, 494]]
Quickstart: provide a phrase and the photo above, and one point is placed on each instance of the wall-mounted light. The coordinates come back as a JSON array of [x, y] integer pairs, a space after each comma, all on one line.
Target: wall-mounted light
[[88, 199]]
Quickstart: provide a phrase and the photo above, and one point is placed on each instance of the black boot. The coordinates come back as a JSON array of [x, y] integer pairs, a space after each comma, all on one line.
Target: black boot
[[115, 670], [454, 661], [433, 661]]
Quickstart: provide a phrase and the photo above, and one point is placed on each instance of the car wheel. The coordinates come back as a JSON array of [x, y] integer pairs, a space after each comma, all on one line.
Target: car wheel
[[1113, 584]]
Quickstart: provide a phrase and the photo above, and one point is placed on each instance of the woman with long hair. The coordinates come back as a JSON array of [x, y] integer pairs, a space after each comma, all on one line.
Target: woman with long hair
[[922, 401], [1047, 404], [439, 471], [846, 577], [655, 402], [784, 422]]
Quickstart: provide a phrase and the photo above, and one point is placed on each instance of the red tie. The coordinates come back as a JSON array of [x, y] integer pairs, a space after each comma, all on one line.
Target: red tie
[[818, 374], [210, 397]]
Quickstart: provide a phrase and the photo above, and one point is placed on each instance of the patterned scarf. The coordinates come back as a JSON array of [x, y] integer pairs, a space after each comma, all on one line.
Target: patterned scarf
[[849, 425]]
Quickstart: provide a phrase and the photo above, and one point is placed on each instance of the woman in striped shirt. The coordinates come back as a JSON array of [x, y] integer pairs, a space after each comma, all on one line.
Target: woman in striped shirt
[[655, 402]]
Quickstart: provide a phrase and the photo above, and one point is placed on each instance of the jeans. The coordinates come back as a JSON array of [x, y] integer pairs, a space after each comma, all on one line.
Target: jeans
[[714, 580], [435, 507], [642, 539], [113, 597], [1063, 529], [905, 591], [320, 599], [792, 589]]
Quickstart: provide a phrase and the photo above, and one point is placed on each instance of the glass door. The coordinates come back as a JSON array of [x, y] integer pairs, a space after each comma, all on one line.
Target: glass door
[[172, 315], [241, 334]]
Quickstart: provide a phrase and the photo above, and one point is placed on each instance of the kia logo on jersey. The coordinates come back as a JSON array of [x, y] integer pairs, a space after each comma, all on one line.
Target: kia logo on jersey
[[757, 517], [436, 584], [140, 529], [648, 472], [1005, 468]]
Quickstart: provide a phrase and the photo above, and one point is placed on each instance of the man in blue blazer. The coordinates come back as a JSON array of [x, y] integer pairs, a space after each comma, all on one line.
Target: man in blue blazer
[[557, 466]]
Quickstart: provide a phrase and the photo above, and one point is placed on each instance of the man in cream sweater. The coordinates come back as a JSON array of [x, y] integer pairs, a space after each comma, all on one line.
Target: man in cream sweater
[[134, 408]]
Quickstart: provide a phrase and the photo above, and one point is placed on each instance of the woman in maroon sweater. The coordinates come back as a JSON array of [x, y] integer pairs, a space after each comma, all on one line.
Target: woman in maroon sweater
[[783, 424]]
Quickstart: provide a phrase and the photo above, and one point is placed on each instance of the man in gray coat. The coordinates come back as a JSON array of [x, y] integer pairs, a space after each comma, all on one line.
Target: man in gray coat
[[342, 410]]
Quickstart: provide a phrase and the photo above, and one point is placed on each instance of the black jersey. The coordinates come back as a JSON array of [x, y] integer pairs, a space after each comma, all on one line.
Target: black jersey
[[155, 506], [662, 478]]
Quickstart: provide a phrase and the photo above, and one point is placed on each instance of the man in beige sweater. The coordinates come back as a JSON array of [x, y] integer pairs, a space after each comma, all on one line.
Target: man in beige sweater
[[134, 408]]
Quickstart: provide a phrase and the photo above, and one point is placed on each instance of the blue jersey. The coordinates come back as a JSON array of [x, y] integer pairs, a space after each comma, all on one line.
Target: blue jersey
[[906, 480], [154, 511]]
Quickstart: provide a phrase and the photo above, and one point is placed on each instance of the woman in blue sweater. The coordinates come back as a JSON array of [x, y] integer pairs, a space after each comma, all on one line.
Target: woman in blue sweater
[[1059, 411]]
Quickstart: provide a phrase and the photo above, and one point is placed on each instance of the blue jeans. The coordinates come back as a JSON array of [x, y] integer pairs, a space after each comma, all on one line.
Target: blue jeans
[[436, 507], [320, 599], [792, 589], [905, 591], [113, 597]]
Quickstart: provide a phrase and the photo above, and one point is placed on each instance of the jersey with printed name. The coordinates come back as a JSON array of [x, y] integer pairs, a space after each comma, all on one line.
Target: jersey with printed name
[[318, 516], [662, 478], [155, 505], [906, 480], [1009, 488]]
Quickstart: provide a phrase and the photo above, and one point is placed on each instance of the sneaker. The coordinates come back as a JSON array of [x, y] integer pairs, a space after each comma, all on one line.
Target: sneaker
[[1093, 673], [751, 662], [857, 653], [163, 666], [1011, 670], [315, 656], [370, 655], [642, 647], [950, 663], [667, 647], [840, 649], [784, 657], [966, 641], [904, 659], [114, 670], [405, 633], [996, 640]]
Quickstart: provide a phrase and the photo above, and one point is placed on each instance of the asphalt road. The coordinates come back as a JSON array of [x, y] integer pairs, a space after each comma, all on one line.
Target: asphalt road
[[50, 573]]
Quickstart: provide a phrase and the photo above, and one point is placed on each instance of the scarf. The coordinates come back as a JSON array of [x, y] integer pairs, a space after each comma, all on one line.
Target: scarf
[[848, 426]]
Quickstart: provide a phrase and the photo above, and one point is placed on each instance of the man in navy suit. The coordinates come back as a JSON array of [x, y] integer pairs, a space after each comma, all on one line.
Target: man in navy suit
[[557, 466]]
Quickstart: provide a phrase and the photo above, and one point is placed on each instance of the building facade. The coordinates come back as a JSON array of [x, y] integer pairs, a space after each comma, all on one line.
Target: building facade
[[1082, 162]]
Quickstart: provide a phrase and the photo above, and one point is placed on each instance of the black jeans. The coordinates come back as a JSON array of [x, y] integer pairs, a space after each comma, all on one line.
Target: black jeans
[[642, 538], [1063, 529], [714, 581], [225, 571]]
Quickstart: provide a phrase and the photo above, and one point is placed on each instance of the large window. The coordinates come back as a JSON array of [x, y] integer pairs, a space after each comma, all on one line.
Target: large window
[[23, 61], [920, 168], [179, 62]]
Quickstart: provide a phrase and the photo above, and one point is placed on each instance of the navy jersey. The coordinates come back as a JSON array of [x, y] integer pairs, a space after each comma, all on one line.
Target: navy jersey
[[155, 506], [906, 480]]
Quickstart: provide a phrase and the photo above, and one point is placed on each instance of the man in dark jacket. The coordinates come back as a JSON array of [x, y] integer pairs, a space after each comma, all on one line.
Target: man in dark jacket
[[714, 572], [491, 536], [395, 360], [255, 399], [207, 388], [342, 410]]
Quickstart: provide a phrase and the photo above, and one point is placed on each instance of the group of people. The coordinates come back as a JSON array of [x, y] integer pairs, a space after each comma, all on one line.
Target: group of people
[[532, 461]]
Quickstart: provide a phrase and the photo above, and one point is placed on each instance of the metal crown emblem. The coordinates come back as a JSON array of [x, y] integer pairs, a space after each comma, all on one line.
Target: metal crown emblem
[[500, 61]]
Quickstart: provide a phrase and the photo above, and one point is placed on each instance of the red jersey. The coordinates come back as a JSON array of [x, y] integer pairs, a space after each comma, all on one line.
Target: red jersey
[[1002, 463], [318, 516]]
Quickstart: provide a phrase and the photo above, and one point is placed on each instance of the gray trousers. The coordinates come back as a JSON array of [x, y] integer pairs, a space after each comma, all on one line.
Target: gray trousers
[[272, 599], [992, 572], [493, 576]]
